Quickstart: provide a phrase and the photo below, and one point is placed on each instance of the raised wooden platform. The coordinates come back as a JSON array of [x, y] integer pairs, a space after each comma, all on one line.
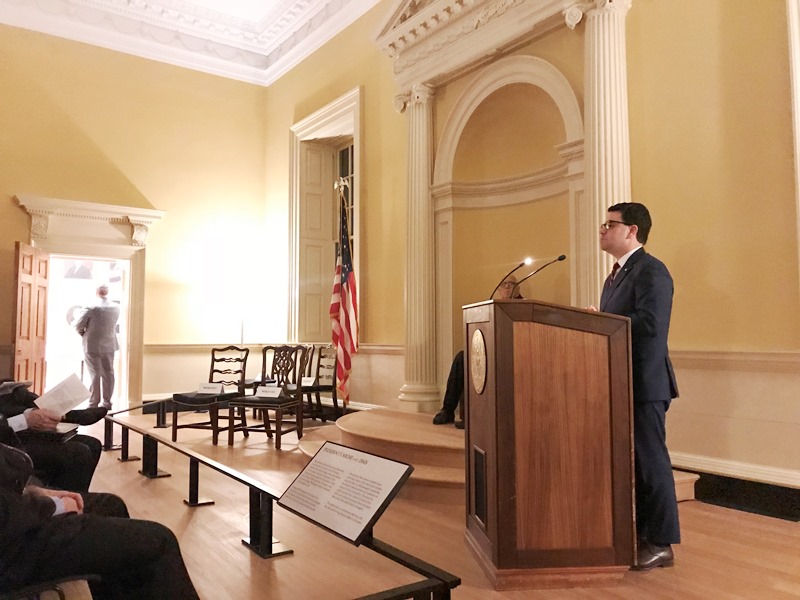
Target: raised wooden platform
[[435, 451]]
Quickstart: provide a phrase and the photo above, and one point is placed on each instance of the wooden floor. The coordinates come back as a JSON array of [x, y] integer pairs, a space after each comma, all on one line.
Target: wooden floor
[[725, 554]]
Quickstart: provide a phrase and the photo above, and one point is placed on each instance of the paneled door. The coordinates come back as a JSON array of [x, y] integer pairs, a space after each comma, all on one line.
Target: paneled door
[[317, 241], [30, 315]]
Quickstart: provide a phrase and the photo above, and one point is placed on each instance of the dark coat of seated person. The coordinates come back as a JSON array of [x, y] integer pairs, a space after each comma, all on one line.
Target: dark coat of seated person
[[66, 465], [52, 534]]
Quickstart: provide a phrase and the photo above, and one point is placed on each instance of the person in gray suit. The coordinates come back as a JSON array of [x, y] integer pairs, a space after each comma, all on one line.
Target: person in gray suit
[[640, 287], [98, 326]]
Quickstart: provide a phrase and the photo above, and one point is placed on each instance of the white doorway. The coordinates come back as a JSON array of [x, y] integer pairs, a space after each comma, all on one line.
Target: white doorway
[[72, 288]]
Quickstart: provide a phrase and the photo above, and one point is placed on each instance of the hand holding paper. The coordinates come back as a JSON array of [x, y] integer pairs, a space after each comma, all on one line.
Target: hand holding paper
[[64, 396]]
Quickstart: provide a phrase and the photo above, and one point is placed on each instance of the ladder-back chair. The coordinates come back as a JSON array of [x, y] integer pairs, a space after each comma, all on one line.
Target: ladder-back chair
[[228, 366], [286, 366], [324, 374]]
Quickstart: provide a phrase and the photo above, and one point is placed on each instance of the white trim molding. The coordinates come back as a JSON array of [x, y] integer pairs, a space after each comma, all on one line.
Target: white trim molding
[[766, 362], [793, 21], [44, 210], [736, 469], [104, 231], [566, 177], [545, 183], [342, 117], [435, 41], [257, 46], [737, 415]]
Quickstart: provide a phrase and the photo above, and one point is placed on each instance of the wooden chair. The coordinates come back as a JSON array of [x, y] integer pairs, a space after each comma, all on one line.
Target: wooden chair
[[228, 366], [324, 373], [285, 365]]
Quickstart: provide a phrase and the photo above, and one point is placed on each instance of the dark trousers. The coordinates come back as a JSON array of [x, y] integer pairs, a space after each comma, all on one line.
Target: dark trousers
[[656, 504], [455, 384], [65, 465], [136, 560]]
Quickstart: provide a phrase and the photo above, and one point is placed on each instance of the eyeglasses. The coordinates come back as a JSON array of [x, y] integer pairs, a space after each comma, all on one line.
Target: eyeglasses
[[609, 224]]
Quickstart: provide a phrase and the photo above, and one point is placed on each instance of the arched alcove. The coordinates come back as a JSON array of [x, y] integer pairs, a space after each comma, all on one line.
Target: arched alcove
[[563, 178]]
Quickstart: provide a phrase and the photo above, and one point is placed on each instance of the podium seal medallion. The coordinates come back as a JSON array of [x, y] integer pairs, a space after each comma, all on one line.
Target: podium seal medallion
[[477, 361]]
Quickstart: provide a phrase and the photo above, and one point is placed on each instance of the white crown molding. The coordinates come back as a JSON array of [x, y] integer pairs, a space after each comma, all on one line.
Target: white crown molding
[[180, 33], [434, 41]]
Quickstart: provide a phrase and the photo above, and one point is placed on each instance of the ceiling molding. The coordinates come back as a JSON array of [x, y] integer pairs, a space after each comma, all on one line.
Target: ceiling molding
[[185, 34]]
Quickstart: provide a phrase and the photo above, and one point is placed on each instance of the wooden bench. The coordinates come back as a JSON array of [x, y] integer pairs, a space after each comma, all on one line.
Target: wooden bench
[[262, 496]]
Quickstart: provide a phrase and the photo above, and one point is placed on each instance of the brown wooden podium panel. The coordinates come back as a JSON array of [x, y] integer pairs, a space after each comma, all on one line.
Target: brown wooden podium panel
[[549, 443]]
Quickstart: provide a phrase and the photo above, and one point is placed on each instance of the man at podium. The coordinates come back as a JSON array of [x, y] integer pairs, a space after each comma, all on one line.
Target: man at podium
[[640, 287]]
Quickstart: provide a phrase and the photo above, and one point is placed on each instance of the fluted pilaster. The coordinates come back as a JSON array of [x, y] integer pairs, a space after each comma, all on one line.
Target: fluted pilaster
[[420, 345], [608, 174]]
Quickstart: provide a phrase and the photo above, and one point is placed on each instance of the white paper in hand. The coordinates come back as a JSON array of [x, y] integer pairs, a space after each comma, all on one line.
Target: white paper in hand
[[64, 396]]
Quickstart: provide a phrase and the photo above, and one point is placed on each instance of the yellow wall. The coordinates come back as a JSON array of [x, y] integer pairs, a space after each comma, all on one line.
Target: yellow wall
[[513, 132], [711, 154], [81, 123], [490, 242], [349, 61]]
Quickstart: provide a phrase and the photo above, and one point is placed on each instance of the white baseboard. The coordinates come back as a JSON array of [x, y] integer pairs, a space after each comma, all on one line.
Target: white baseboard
[[737, 470]]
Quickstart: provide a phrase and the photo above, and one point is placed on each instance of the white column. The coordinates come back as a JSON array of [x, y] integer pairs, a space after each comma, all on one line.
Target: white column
[[420, 392], [608, 172]]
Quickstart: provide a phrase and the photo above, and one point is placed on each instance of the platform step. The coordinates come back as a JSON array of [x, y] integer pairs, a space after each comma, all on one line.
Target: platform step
[[684, 484], [436, 452]]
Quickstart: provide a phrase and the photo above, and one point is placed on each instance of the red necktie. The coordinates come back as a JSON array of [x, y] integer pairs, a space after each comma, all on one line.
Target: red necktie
[[610, 278]]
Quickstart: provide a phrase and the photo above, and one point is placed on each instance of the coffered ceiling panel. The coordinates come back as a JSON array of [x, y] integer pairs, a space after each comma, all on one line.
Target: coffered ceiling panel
[[249, 40]]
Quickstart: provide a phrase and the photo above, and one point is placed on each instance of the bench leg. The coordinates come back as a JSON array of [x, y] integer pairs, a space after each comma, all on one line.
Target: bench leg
[[150, 459], [261, 541], [124, 456], [108, 435], [194, 480]]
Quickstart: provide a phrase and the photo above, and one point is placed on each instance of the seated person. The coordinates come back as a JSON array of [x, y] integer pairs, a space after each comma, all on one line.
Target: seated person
[[455, 380], [66, 465], [51, 534]]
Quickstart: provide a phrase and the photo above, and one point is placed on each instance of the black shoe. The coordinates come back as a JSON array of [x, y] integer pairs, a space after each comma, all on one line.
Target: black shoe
[[443, 417], [87, 416], [651, 556], [459, 424]]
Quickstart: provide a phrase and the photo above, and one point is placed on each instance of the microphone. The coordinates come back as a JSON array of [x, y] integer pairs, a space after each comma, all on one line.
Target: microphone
[[527, 261], [529, 275]]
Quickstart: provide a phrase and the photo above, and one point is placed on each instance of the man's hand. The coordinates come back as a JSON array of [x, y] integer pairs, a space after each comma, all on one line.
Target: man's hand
[[41, 419], [73, 502]]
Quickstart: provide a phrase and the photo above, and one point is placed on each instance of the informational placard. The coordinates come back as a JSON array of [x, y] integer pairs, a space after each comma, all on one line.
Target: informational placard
[[345, 490]]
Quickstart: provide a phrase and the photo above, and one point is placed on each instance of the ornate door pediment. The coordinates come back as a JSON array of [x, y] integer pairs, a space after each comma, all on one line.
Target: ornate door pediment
[[432, 41]]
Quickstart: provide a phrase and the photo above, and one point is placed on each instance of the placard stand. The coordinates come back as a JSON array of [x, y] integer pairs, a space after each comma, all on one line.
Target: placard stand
[[345, 491]]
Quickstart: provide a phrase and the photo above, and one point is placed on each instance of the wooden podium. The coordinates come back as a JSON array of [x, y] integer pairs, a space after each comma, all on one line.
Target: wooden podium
[[549, 444]]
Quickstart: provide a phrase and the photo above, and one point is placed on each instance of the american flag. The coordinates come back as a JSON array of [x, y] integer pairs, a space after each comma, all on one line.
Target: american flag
[[344, 306]]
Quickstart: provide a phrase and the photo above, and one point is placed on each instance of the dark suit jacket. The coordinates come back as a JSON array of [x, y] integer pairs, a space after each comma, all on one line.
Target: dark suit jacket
[[11, 405], [642, 290]]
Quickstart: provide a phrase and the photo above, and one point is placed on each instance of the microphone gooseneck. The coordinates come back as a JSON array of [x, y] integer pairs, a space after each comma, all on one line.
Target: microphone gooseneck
[[531, 274], [527, 261]]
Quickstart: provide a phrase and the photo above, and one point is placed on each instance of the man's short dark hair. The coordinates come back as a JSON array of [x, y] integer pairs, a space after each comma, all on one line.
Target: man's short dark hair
[[637, 214]]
